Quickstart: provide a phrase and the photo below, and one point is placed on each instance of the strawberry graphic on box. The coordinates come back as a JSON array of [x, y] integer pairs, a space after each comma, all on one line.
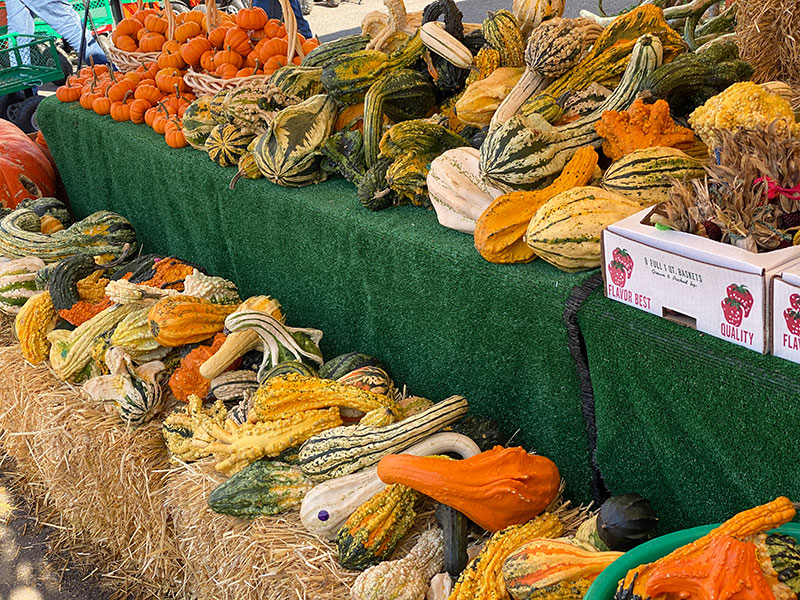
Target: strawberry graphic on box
[[794, 300], [621, 256], [732, 310], [742, 295], [792, 318], [617, 272]]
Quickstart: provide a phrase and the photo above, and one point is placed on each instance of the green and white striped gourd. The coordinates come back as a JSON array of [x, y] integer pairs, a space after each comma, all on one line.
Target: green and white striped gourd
[[325, 53], [226, 143], [198, 121], [525, 151], [645, 175], [344, 450], [101, 233], [326, 508], [134, 390], [71, 351], [280, 342], [264, 487], [288, 153], [18, 282], [232, 386]]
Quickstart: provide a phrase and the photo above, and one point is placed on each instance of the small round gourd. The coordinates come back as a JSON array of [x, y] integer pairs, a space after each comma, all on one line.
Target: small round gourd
[[225, 144]]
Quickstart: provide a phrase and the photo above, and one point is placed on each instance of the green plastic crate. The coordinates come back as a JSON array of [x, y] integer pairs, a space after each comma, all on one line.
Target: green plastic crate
[[27, 61], [99, 11]]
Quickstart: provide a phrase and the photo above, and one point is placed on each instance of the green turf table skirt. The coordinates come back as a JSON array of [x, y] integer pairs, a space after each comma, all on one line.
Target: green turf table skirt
[[394, 284], [701, 427]]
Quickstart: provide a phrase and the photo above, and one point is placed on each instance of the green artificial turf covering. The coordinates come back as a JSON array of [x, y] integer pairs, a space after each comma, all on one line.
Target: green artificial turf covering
[[394, 284], [700, 427]]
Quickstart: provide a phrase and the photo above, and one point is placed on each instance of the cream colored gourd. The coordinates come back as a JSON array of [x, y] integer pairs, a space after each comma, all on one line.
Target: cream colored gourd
[[457, 192], [437, 40], [481, 98], [406, 578], [328, 505], [531, 13], [566, 229]]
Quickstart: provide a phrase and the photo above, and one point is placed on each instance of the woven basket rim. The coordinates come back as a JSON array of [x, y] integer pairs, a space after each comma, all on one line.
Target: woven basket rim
[[204, 83]]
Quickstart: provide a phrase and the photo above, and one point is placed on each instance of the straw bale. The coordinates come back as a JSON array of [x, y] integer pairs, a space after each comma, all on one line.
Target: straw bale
[[6, 330], [105, 480], [768, 38]]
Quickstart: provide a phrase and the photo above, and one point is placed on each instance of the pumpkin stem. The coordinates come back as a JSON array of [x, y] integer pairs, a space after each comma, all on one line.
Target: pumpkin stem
[[111, 74], [177, 91], [125, 97]]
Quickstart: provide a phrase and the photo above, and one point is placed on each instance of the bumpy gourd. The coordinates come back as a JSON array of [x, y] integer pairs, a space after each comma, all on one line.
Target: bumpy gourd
[[34, 321], [501, 227], [18, 283], [373, 531], [179, 320], [133, 333], [214, 289], [298, 80], [502, 33]]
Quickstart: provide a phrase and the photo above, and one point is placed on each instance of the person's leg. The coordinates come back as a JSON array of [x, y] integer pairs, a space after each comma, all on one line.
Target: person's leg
[[64, 19], [273, 9], [20, 20]]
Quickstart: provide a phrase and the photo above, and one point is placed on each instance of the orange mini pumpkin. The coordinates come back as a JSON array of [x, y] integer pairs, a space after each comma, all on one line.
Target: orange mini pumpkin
[[187, 30], [193, 50], [217, 37], [251, 18], [155, 23], [228, 56], [237, 40], [101, 105], [68, 93], [226, 71], [138, 109], [128, 26], [126, 43], [152, 42]]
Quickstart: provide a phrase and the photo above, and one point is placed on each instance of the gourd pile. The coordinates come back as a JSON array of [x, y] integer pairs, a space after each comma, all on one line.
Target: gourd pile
[[497, 125]]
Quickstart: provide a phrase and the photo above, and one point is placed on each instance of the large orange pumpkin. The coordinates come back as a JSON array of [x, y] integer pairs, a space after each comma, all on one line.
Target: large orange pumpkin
[[25, 171]]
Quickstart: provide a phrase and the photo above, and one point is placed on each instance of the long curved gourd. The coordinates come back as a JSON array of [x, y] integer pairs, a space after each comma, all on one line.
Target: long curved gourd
[[344, 450], [326, 507], [525, 151], [280, 342], [101, 233], [179, 320], [496, 488]]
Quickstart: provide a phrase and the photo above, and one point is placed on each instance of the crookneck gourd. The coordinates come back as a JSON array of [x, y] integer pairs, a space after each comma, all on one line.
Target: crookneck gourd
[[180, 319], [34, 321], [102, 233], [280, 342], [134, 390], [496, 488], [525, 151], [185, 430]]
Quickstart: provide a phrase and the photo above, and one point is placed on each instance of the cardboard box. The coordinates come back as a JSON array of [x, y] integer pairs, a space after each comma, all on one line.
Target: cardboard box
[[715, 288], [785, 315]]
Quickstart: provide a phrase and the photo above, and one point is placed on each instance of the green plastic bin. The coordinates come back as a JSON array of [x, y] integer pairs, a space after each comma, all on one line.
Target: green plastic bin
[[27, 61], [99, 11]]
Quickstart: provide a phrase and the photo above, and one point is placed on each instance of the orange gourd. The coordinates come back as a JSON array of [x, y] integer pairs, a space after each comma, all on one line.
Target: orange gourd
[[25, 171], [167, 79], [496, 488], [228, 56], [138, 109], [101, 105], [502, 225], [173, 134], [68, 93], [226, 71], [273, 64], [152, 42], [251, 18], [156, 23], [147, 92], [274, 29], [237, 40], [193, 50], [126, 43], [186, 380], [187, 30], [217, 37], [274, 47], [207, 61], [179, 320]]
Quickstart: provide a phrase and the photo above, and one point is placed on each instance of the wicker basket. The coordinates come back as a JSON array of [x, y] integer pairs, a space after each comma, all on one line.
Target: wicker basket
[[203, 84], [129, 61]]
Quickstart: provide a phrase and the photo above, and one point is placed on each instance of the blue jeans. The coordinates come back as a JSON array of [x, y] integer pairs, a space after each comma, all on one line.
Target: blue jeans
[[60, 15], [273, 9]]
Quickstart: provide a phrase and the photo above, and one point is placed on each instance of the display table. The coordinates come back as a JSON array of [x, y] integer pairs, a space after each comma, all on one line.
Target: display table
[[394, 284], [699, 426]]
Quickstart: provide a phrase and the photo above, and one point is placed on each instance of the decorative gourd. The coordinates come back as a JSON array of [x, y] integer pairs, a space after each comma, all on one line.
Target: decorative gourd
[[248, 168], [482, 98], [290, 366], [482, 579], [323, 54], [329, 504], [133, 333], [373, 531], [576, 105], [501, 227], [264, 487], [626, 521], [456, 190], [226, 143], [345, 450], [524, 151], [409, 90], [347, 77], [405, 578], [341, 365], [496, 488], [34, 321], [611, 53], [179, 320], [566, 590], [233, 386], [26, 171], [245, 108], [101, 233], [641, 126], [300, 81], [502, 33], [18, 283], [91, 299], [288, 153], [71, 351], [444, 45], [198, 121], [284, 395], [566, 229], [484, 431], [241, 342], [134, 390], [553, 48], [186, 380], [214, 289], [749, 522], [280, 342], [62, 283], [645, 175], [185, 430], [412, 405], [371, 379], [531, 13], [543, 562]]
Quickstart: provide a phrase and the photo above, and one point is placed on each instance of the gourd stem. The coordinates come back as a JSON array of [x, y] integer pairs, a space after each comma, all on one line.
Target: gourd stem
[[454, 529], [236, 178]]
